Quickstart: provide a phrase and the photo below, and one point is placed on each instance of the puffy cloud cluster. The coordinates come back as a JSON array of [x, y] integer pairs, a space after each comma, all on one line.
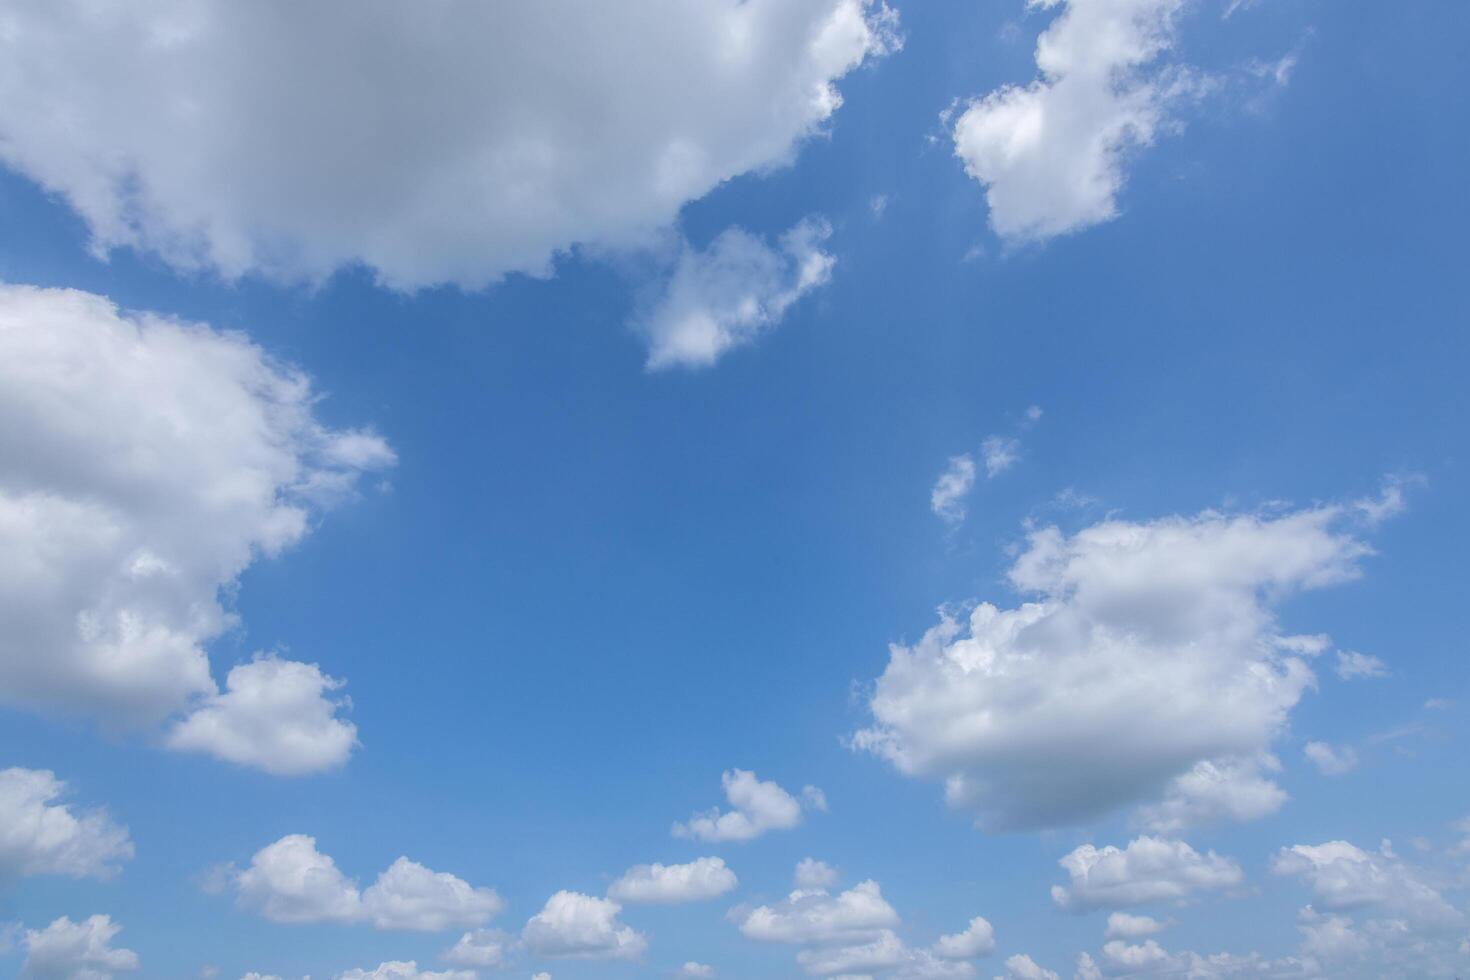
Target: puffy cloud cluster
[[852, 933], [479, 948], [405, 970], [290, 881], [672, 884], [149, 462], [67, 950], [40, 836], [729, 293], [577, 926], [1145, 666], [1344, 877], [454, 143], [1148, 870], [756, 808], [1051, 154]]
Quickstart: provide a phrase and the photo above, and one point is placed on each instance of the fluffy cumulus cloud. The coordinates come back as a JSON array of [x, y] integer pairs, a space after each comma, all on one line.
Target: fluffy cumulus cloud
[[447, 144], [1144, 666], [1052, 154], [976, 939], [41, 836], [814, 916], [405, 970], [290, 881], [756, 808], [67, 950], [1124, 925], [1147, 871], [479, 948], [1344, 877], [695, 969], [1023, 967], [577, 926], [672, 884], [729, 293], [275, 715], [149, 462], [811, 873], [1216, 790], [947, 499]]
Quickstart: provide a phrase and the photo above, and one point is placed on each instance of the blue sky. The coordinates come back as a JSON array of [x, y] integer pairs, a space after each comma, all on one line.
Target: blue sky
[[568, 586]]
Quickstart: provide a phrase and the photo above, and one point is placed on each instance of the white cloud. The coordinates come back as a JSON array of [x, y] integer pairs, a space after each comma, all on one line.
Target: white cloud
[[756, 808], [39, 836], [1343, 877], [1333, 762], [693, 969], [1123, 925], [1148, 870], [947, 499], [577, 926], [1051, 155], [672, 884], [731, 292], [405, 970], [812, 874], [882, 953], [977, 939], [1023, 967], [67, 950], [410, 896], [291, 881], [1352, 666], [1216, 790], [274, 715], [478, 948], [1329, 936], [1144, 650], [814, 916], [1000, 454], [455, 146], [149, 462]]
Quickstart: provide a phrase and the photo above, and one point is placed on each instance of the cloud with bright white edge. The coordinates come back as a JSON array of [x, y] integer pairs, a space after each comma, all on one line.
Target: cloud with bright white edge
[[290, 881], [1052, 154], [67, 950], [1124, 925], [811, 874], [41, 836], [1147, 871], [947, 499], [274, 715], [577, 926], [815, 916], [976, 939], [482, 140], [1343, 877], [693, 969], [1023, 967], [756, 808], [673, 884], [478, 948], [405, 970], [1331, 761], [1144, 666], [1355, 666], [149, 462], [726, 295]]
